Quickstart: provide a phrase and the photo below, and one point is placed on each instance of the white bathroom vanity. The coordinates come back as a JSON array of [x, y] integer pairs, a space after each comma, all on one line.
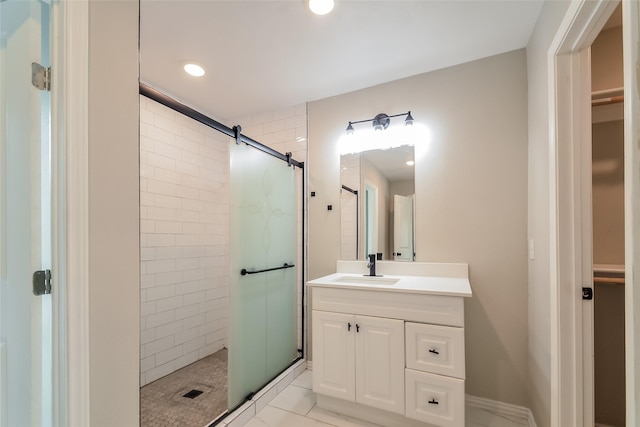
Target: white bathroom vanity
[[390, 349]]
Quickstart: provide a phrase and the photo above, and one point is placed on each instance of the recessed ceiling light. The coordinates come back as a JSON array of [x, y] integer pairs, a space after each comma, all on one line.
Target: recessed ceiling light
[[321, 7], [411, 163], [194, 70]]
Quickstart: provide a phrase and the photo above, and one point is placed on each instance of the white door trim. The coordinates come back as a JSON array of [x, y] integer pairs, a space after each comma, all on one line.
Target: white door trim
[[570, 124], [631, 40], [70, 59]]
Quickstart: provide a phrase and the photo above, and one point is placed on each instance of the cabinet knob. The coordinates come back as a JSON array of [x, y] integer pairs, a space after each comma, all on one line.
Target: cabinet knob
[[357, 328], [433, 402], [348, 326], [434, 351]]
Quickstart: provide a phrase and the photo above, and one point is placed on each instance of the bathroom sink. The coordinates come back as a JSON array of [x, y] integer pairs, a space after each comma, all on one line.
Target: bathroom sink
[[367, 280], [398, 278]]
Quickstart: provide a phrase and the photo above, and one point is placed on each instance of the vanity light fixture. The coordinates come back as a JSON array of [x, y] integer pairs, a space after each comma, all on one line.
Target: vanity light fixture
[[381, 121], [381, 135], [350, 129], [194, 69], [409, 120], [321, 7]]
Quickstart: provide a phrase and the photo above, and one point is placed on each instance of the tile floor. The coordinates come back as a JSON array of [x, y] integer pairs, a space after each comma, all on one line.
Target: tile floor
[[295, 406], [162, 402]]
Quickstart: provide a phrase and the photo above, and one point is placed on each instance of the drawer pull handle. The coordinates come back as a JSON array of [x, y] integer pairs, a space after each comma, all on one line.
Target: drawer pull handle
[[348, 327], [434, 351], [433, 402], [357, 328]]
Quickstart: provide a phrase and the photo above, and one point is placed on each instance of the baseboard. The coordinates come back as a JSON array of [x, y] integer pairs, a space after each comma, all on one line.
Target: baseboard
[[521, 413]]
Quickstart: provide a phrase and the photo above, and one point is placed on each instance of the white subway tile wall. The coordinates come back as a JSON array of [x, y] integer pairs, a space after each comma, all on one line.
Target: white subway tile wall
[[184, 245], [184, 219]]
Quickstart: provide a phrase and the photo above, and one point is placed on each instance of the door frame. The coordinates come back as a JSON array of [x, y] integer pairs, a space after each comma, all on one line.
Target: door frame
[[631, 42], [70, 177], [571, 264]]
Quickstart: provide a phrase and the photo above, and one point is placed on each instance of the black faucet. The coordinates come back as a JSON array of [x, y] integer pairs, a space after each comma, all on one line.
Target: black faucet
[[372, 265]]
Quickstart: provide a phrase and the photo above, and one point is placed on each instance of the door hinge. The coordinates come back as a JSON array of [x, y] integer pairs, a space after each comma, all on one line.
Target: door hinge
[[42, 282], [40, 76], [587, 293]]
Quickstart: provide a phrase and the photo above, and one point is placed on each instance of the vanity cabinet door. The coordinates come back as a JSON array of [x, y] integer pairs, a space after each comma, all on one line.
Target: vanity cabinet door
[[334, 354], [380, 363]]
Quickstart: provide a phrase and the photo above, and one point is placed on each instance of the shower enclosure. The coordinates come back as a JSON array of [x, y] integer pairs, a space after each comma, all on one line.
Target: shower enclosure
[[262, 289], [230, 211]]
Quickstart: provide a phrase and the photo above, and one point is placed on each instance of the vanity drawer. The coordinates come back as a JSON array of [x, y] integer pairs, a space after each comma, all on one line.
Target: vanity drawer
[[434, 399], [415, 307], [436, 349]]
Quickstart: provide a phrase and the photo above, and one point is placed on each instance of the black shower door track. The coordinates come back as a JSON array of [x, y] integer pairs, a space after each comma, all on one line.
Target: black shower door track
[[169, 102], [234, 132]]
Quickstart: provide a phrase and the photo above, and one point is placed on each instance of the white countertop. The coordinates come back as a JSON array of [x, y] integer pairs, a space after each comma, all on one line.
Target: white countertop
[[439, 284]]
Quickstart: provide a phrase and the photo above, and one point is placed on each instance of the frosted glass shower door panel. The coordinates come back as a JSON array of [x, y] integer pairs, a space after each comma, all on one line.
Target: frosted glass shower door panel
[[263, 236]]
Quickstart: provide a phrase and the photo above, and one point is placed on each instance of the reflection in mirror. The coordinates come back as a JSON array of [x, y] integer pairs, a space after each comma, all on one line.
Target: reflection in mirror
[[377, 204]]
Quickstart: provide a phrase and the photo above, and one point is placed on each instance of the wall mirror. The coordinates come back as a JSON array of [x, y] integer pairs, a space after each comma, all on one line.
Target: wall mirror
[[377, 204]]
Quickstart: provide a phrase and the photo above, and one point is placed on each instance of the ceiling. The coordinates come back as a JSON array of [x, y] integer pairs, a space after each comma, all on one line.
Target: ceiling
[[265, 55]]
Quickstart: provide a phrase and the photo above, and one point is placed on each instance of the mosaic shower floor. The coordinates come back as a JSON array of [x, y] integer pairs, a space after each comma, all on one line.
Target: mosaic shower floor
[[162, 403]]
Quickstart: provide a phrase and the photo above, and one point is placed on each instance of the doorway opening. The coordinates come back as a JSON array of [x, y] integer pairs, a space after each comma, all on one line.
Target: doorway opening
[[607, 201], [572, 343]]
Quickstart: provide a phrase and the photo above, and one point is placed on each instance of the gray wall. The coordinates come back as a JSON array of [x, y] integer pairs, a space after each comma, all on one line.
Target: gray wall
[[113, 213], [538, 210], [471, 199]]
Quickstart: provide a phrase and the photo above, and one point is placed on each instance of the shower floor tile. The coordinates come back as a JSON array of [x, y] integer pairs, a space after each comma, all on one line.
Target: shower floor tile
[[162, 403]]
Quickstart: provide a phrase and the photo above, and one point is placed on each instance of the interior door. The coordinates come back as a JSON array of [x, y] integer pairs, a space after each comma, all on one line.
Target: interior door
[[402, 228], [25, 221]]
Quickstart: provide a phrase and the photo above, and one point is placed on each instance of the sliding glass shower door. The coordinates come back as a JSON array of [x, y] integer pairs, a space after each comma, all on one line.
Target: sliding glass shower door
[[263, 277]]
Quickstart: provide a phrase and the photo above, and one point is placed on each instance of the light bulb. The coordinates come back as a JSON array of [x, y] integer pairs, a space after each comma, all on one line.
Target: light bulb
[[321, 7], [194, 69]]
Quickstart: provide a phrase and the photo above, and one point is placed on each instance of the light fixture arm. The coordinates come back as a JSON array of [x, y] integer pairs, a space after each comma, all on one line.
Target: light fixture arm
[[381, 121]]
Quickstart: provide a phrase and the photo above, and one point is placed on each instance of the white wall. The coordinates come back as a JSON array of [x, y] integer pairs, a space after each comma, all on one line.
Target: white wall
[[539, 328], [113, 210], [471, 194], [184, 241]]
